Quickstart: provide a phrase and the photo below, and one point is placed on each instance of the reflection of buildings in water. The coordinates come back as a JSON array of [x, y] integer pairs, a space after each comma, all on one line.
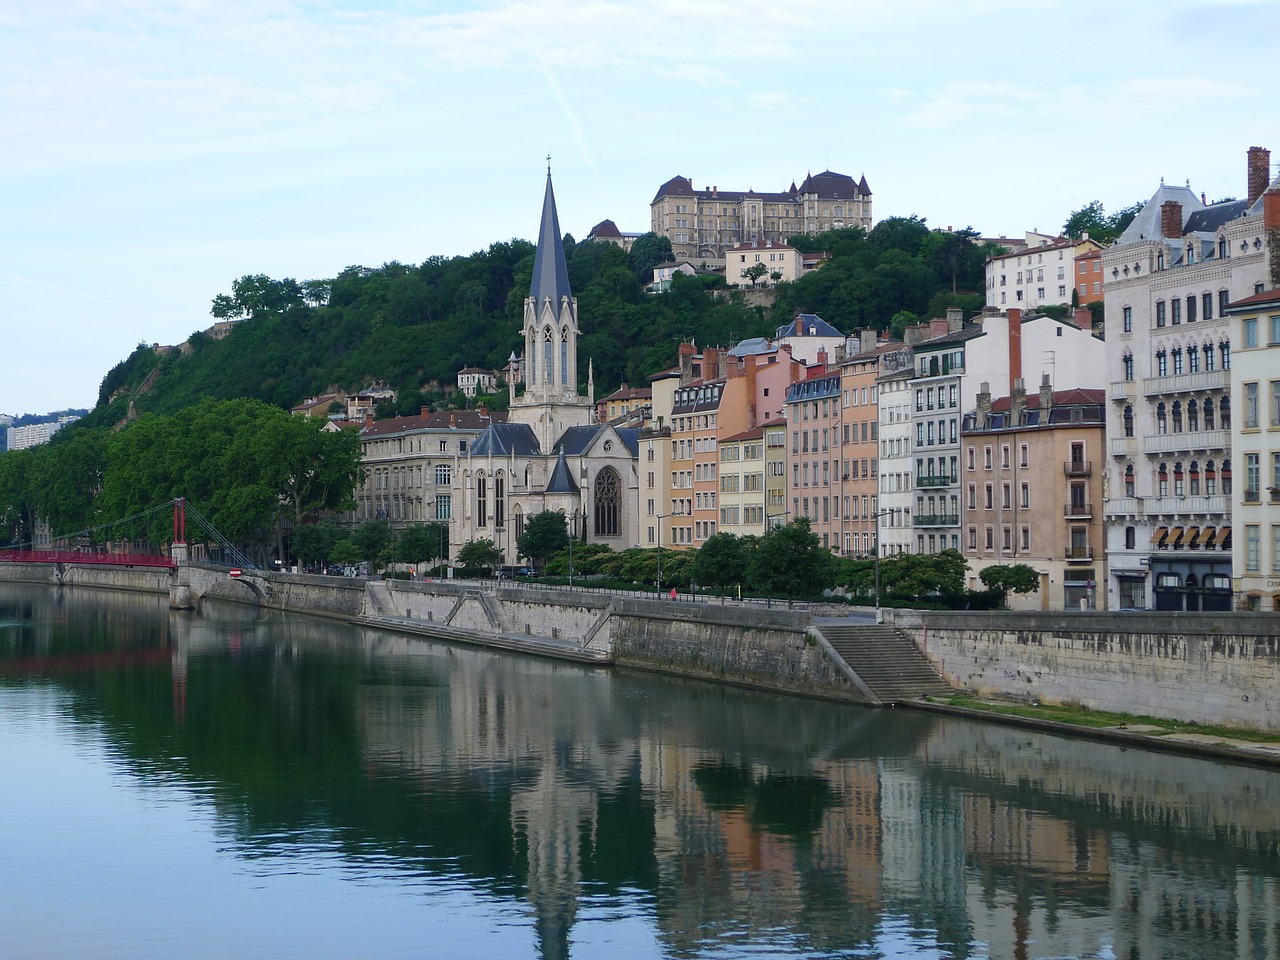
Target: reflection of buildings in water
[[545, 728], [901, 845], [849, 840]]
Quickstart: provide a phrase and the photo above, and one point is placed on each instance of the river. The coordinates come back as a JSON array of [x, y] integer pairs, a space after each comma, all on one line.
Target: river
[[236, 784]]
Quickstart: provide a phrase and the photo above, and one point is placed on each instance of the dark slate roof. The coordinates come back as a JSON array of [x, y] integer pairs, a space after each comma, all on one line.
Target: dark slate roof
[[750, 347], [963, 335], [1211, 218], [630, 436], [605, 228], [562, 478], [577, 440], [550, 273], [435, 420], [799, 327], [504, 439], [834, 186]]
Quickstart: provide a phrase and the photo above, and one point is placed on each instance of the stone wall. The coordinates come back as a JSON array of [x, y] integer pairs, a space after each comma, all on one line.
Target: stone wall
[[144, 579], [1216, 668], [762, 648]]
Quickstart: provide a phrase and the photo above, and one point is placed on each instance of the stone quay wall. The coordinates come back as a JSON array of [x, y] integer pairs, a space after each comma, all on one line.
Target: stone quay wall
[[1213, 668], [141, 579]]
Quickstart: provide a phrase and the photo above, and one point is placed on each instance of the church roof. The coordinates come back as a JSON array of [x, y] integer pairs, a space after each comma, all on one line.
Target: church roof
[[562, 477], [550, 273], [577, 440], [504, 439]]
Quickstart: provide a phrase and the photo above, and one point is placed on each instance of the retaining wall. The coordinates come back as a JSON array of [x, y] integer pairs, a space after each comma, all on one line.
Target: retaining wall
[[144, 579], [1215, 668]]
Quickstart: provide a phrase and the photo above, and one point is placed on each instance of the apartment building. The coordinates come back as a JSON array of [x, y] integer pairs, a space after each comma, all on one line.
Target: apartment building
[[1169, 280], [951, 365], [703, 224], [775, 472], [860, 443], [777, 262], [1038, 275], [1088, 277], [1255, 440], [1032, 483], [742, 483], [895, 395], [813, 420]]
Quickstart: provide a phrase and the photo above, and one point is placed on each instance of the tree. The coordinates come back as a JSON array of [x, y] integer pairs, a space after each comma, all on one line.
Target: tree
[[755, 272], [924, 574], [647, 251], [1017, 577], [722, 560], [790, 560], [545, 535], [422, 542], [1095, 221], [479, 556], [314, 542], [373, 540]]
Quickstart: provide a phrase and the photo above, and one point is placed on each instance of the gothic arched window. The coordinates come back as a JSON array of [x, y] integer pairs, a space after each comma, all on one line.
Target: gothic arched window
[[547, 373], [499, 500], [564, 356], [482, 501], [608, 503]]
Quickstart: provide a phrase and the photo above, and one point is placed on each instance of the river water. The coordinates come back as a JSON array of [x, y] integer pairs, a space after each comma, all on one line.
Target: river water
[[230, 784]]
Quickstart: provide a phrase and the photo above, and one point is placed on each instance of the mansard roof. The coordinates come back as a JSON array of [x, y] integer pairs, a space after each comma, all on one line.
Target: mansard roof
[[1146, 225], [550, 272], [505, 439], [834, 186], [605, 228], [1212, 217], [808, 325], [561, 478]]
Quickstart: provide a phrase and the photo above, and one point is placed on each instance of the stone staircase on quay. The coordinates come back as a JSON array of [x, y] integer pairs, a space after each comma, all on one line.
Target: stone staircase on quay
[[882, 661]]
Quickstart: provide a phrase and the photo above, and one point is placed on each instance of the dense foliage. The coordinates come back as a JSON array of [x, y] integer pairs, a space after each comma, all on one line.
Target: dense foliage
[[413, 327]]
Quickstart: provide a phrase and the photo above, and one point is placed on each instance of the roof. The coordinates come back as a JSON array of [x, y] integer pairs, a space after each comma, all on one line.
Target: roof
[[434, 420], [550, 273], [1060, 244], [763, 245], [605, 228], [1256, 299], [561, 478], [815, 388], [629, 393], [834, 186], [1074, 396], [1212, 217], [479, 370], [808, 325], [751, 347], [963, 335], [505, 439], [755, 434], [1146, 225]]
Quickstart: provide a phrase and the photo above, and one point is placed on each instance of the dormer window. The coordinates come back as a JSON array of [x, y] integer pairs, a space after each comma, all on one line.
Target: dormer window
[[1160, 260], [1222, 248]]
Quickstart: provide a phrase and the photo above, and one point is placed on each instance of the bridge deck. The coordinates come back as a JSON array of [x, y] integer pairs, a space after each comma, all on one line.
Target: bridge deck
[[75, 556]]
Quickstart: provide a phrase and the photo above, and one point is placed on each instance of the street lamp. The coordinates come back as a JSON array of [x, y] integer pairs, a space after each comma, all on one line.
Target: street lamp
[[876, 517]]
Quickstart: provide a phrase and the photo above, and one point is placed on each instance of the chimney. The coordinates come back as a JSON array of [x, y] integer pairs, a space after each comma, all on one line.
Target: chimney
[[984, 404], [1271, 211], [1014, 319], [482, 410], [955, 319], [686, 353], [1171, 219], [1259, 172], [1046, 398], [938, 327], [915, 333], [453, 420], [822, 357], [869, 339], [1017, 401]]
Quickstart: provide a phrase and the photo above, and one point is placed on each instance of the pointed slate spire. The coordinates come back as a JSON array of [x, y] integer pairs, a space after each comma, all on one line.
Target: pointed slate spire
[[550, 274], [561, 477]]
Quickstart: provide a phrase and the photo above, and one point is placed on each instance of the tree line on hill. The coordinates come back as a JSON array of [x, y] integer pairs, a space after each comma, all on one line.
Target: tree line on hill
[[412, 328]]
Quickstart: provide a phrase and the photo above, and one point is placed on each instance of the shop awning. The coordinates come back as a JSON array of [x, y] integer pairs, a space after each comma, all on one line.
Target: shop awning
[[1224, 538], [1193, 534], [1157, 540], [1175, 537], [1206, 537]]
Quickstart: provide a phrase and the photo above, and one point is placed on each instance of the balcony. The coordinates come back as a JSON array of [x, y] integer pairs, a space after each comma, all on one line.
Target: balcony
[[1078, 511], [1077, 468], [1123, 507], [1186, 383], [1124, 389], [1186, 442], [1078, 555], [934, 480], [1123, 446], [936, 520], [1219, 506]]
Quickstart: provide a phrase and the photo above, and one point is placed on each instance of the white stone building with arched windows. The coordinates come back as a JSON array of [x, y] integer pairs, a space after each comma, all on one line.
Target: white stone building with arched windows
[[550, 454]]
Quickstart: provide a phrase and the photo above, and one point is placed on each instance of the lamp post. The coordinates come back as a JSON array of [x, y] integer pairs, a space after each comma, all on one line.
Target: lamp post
[[876, 517]]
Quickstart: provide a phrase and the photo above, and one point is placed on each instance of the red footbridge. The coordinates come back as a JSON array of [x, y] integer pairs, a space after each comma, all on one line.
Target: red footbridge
[[82, 556]]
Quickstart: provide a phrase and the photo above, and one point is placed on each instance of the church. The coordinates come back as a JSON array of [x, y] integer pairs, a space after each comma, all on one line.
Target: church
[[550, 454]]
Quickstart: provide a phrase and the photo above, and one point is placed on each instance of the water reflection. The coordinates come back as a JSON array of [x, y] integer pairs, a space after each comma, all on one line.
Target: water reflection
[[703, 821]]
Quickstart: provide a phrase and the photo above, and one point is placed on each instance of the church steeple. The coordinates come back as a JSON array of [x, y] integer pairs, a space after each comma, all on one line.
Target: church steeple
[[550, 273]]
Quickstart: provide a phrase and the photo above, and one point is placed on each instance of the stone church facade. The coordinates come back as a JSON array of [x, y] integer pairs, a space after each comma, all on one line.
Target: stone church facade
[[550, 454]]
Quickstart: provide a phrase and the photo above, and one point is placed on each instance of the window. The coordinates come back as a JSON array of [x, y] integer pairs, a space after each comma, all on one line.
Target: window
[[444, 475], [1128, 319], [1224, 297], [1250, 332], [1162, 363], [1252, 476], [1250, 405], [1252, 543], [1160, 314], [1206, 302], [1275, 548], [1273, 337], [481, 502], [1128, 367], [1177, 361], [1175, 307], [1191, 309], [1275, 403]]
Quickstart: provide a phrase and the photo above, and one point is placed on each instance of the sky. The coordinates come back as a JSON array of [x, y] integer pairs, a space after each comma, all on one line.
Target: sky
[[156, 150]]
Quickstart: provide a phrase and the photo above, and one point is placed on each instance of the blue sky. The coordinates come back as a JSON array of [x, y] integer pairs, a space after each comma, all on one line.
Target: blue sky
[[158, 149]]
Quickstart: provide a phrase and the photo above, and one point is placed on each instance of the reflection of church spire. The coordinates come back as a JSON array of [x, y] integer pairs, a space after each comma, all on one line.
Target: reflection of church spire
[[550, 273]]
